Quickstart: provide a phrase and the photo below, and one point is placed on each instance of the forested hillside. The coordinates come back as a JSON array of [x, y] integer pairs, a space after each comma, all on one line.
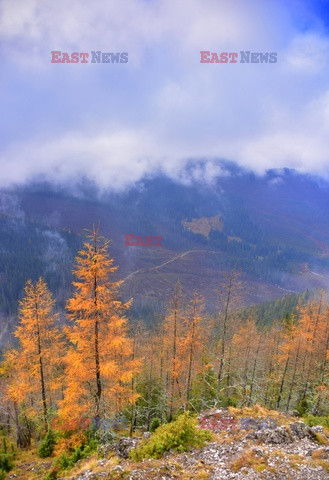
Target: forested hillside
[[266, 227], [186, 359], [227, 314], [61, 381]]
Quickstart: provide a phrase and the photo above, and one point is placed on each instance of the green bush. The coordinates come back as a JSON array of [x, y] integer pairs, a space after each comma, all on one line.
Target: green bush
[[155, 423], [302, 407], [78, 454], [64, 461], [83, 451], [6, 462], [228, 402], [51, 475], [178, 436], [2, 474], [47, 445], [312, 421]]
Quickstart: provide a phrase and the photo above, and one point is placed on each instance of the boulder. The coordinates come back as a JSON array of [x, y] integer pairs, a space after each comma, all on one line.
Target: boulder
[[124, 445], [300, 430], [280, 435]]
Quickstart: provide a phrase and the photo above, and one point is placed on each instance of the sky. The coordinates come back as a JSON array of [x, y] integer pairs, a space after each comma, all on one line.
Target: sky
[[117, 123]]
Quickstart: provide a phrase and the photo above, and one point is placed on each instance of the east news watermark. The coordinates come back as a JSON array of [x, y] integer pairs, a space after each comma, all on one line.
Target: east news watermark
[[244, 56], [95, 56], [133, 240], [230, 423], [85, 423]]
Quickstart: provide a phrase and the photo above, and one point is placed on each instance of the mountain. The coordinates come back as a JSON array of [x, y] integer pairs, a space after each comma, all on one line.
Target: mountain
[[274, 228]]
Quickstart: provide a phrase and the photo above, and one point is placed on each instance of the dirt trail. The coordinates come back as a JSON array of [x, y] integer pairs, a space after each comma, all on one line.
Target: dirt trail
[[181, 255]]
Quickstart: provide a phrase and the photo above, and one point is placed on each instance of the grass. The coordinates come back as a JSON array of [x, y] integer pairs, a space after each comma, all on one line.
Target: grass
[[320, 439], [321, 463], [28, 459], [248, 459], [319, 454], [259, 412]]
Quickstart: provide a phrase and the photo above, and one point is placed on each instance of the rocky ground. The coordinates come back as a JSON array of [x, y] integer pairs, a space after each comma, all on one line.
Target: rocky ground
[[292, 450]]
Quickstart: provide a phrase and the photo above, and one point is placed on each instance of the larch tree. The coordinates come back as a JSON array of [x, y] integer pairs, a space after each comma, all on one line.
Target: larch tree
[[151, 384], [229, 299], [193, 342], [245, 343], [311, 321], [322, 386], [36, 363], [173, 329], [286, 353], [271, 350], [100, 361]]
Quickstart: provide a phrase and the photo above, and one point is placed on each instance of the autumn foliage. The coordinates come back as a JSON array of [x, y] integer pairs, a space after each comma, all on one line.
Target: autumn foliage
[[91, 361], [99, 366]]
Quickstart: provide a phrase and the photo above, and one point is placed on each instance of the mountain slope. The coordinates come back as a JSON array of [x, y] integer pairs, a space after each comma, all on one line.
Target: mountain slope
[[274, 228]]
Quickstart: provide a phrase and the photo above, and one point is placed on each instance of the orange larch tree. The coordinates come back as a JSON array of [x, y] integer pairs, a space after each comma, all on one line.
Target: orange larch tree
[[36, 363], [230, 295], [173, 334], [99, 362], [192, 343]]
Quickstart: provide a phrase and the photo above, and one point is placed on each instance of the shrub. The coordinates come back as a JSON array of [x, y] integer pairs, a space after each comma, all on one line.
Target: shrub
[[2, 474], [78, 454], [312, 421], [47, 445], [155, 423], [51, 475], [69, 441], [6, 463], [228, 402], [64, 461], [178, 436], [302, 407]]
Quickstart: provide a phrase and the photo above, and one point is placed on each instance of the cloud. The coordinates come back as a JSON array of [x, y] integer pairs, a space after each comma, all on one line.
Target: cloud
[[118, 123], [117, 159]]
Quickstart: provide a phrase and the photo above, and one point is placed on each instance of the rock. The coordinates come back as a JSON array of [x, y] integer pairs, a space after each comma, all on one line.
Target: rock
[[279, 435], [284, 435], [293, 413], [117, 469], [300, 430], [124, 445], [104, 450], [318, 429]]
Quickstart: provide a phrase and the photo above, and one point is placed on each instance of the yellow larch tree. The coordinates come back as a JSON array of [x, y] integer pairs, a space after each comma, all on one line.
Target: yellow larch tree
[[100, 363], [311, 329], [246, 343], [193, 342], [173, 335], [36, 364]]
